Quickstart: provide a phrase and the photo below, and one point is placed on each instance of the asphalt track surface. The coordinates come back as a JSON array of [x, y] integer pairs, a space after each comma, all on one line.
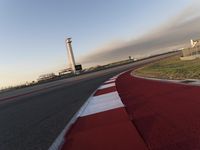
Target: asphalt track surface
[[167, 115], [32, 121]]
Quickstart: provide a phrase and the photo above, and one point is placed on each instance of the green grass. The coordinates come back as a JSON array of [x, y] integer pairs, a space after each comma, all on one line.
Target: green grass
[[171, 68]]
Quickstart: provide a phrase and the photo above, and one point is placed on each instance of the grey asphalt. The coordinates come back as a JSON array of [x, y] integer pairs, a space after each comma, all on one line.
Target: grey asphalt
[[33, 122]]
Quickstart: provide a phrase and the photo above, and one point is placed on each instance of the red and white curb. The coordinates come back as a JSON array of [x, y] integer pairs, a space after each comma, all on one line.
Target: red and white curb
[[103, 100], [96, 103], [101, 119]]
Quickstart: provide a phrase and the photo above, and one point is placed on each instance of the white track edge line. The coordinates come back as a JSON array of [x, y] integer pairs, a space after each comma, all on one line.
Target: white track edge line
[[59, 141]]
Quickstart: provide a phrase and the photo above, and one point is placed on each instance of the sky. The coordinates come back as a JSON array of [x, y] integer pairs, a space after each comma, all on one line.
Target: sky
[[32, 33]]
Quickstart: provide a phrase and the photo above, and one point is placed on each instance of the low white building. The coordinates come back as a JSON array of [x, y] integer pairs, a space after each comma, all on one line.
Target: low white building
[[46, 77], [192, 52]]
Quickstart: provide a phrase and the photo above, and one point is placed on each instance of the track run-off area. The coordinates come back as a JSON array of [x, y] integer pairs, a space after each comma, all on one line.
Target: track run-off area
[[165, 114]]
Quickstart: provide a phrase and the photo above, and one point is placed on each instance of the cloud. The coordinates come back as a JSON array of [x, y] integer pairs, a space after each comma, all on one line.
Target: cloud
[[174, 34]]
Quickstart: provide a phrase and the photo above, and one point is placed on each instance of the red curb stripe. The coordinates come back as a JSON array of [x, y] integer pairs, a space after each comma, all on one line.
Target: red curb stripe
[[106, 90], [99, 119], [104, 131]]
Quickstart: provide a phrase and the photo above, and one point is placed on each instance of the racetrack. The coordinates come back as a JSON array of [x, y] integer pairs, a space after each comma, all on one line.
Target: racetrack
[[31, 118]]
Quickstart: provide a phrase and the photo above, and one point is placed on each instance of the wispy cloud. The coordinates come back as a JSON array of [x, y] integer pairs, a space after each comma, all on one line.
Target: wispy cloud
[[173, 34]]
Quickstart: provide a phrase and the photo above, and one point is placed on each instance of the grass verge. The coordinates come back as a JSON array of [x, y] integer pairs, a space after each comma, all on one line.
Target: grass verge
[[171, 68]]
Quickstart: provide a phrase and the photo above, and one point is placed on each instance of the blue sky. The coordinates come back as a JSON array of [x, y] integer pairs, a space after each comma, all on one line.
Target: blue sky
[[32, 33]]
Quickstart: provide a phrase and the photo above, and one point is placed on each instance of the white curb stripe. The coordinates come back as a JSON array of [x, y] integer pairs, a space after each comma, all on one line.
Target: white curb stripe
[[113, 80], [107, 86], [103, 103]]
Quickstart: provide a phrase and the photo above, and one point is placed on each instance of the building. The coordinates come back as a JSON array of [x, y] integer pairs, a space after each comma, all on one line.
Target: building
[[65, 71], [192, 52], [45, 77]]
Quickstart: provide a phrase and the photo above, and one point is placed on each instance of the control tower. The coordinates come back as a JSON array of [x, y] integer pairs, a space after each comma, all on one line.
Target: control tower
[[71, 58]]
